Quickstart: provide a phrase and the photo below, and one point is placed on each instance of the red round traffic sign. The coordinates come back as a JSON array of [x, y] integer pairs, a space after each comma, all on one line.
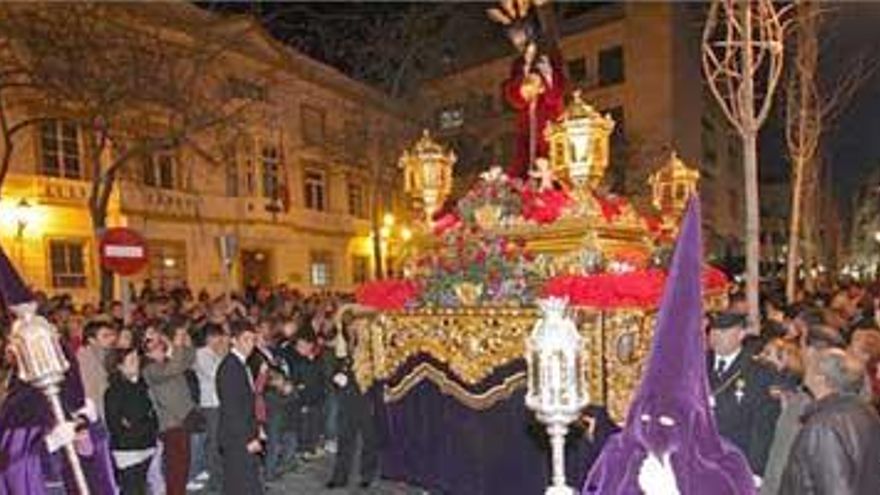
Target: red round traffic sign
[[123, 251]]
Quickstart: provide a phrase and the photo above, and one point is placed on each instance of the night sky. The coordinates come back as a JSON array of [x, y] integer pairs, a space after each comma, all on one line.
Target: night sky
[[851, 146]]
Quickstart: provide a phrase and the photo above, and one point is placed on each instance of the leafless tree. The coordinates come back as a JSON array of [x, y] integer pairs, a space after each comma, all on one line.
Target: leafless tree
[[135, 80], [742, 63], [17, 90], [809, 108]]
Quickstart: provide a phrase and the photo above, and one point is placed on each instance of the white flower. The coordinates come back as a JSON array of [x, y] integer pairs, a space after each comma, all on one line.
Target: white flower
[[494, 174]]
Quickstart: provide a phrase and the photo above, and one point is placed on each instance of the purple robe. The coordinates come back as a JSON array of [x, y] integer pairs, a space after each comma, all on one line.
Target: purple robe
[[25, 463], [675, 385]]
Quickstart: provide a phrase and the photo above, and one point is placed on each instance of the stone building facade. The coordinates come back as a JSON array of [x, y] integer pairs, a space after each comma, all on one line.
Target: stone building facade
[[311, 131]]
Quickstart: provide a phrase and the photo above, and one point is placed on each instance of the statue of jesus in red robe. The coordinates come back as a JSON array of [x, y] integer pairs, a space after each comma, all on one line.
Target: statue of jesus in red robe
[[535, 89]]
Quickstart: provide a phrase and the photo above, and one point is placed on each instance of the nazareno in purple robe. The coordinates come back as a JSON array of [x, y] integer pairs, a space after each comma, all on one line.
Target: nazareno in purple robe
[[25, 418], [675, 384], [25, 464]]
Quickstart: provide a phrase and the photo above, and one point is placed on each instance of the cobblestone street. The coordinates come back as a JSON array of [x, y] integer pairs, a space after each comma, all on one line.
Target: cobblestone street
[[309, 479]]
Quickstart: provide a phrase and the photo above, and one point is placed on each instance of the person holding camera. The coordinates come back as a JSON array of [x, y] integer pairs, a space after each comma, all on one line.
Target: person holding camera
[[170, 355]]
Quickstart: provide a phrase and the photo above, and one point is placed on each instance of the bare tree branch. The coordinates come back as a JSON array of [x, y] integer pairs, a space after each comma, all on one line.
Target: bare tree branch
[[842, 90], [743, 48]]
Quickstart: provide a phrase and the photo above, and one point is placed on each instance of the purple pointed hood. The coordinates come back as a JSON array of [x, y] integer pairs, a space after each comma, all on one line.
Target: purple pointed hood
[[13, 290], [670, 412]]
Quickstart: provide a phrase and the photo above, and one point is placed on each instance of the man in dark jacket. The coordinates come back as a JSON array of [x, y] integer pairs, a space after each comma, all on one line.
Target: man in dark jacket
[[356, 416], [239, 434], [307, 373], [837, 452], [745, 412]]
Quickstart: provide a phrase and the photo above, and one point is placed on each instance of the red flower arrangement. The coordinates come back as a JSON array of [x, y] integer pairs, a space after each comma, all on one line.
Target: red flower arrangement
[[493, 188], [446, 222], [611, 205], [653, 223], [642, 289], [387, 294], [544, 207], [632, 257]]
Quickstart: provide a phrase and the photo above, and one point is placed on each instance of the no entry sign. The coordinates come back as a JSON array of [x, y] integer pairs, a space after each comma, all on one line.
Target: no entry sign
[[123, 251]]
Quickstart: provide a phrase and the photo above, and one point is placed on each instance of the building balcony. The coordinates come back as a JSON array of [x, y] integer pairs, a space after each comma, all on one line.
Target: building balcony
[[336, 222], [135, 198], [157, 203], [53, 191]]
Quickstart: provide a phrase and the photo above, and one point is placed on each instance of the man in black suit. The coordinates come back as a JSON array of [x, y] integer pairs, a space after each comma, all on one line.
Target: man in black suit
[[740, 386], [239, 435]]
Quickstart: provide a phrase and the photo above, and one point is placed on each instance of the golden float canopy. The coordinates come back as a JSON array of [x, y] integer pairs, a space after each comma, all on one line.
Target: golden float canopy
[[579, 144], [579, 154], [427, 172]]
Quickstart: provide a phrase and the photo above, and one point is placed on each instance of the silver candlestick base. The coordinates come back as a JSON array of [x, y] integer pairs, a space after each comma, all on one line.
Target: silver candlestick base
[[557, 432]]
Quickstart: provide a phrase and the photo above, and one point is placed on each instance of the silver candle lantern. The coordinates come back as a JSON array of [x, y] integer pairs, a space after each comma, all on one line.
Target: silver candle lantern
[[41, 363], [557, 382]]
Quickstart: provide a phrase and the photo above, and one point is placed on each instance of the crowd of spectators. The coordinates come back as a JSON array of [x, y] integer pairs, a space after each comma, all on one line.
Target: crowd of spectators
[[823, 353], [152, 375]]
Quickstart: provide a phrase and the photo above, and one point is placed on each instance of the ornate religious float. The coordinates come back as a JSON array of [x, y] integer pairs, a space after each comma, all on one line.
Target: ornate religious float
[[448, 346], [447, 349], [475, 269]]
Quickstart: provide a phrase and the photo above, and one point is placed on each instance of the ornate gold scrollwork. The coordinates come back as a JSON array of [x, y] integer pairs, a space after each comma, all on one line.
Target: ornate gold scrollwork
[[473, 400], [474, 342]]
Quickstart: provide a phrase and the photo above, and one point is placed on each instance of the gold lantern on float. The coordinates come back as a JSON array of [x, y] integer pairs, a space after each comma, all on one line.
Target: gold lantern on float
[[427, 172], [579, 144], [671, 186]]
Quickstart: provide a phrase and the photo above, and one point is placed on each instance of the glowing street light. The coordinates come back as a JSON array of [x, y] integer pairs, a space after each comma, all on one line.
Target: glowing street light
[[388, 220], [23, 214]]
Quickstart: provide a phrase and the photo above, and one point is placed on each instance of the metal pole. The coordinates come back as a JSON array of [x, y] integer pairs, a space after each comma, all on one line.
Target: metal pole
[[52, 394], [227, 283], [125, 294], [533, 133], [557, 432]]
